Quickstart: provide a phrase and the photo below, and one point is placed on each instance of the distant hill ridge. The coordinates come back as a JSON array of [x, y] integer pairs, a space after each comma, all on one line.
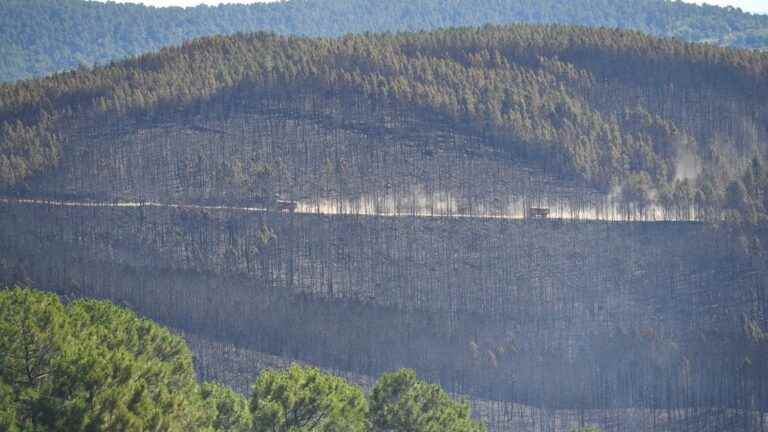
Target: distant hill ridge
[[38, 37]]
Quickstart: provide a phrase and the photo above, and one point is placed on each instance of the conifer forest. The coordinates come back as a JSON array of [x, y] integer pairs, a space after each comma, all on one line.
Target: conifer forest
[[512, 228]]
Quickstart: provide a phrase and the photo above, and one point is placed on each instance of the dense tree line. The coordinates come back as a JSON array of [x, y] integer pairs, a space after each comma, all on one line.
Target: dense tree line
[[746, 198], [604, 107], [89, 365], [43, 36]]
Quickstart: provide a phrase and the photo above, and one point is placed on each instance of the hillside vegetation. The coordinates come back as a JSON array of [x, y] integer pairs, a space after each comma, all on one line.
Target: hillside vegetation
[[657, 120], [411, 160], [38, 37]]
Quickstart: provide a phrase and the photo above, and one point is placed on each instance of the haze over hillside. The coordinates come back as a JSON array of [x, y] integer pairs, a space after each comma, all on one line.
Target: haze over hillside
[[598, 108], [565, 224], [38, 37]]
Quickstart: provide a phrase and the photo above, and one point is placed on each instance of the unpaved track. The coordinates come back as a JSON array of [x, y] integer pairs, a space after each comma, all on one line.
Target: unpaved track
[[325, 209]]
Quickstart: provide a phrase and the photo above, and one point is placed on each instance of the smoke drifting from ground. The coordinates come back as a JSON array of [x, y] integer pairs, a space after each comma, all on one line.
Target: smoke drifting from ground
[[417, 202], [688, 165]]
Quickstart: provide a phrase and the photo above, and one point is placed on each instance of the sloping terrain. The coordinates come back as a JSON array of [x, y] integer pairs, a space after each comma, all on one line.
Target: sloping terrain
[[333, 163], [616, 112], [39, 37], [641, 302], [554, 314], [235, 366]]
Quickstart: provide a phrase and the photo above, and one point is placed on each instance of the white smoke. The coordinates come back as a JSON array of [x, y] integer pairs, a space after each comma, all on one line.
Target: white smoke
[[688, 165]]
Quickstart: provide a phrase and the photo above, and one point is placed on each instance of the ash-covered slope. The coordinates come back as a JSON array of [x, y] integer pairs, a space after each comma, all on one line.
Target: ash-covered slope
[[359, 160], [233, 118], [414, 145], [560, 315], [236, 366]]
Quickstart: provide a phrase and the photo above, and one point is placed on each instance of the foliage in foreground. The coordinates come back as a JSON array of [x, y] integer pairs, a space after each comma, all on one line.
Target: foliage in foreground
[[402, 402], [306, 399], [92, 366]]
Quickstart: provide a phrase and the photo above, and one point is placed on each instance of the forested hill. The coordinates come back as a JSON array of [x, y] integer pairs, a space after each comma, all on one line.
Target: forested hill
[[38, 37], [599, 106]]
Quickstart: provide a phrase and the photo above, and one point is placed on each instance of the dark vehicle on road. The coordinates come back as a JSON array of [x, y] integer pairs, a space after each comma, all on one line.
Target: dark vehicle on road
[[282, 205], [274, 203], [537, 213]]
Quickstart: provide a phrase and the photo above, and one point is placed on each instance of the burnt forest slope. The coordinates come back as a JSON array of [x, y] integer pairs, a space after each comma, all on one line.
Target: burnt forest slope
[[364, 203], [651, 121], [637, 326]]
